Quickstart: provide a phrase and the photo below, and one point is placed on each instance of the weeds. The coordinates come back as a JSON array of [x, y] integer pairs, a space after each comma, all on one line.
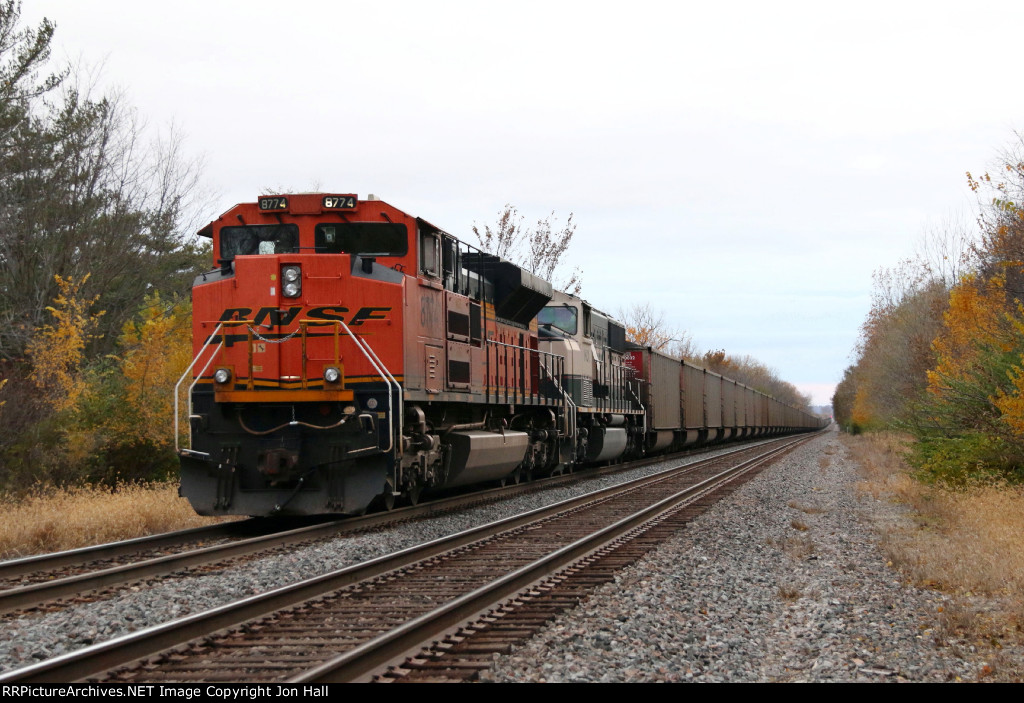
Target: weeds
[[809, 509], [797, 548], [789, 592], [964, 540], [51, 519]]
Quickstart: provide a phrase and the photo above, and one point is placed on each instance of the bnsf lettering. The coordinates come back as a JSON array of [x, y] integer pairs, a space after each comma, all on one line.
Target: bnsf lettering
[[282, 318], [368, 314], [277, 317], [235, 314], [327, 313]]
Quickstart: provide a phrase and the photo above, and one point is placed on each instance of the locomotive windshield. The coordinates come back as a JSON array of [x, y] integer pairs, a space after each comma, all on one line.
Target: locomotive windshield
[[258, 239], [561, 316], [365, 238]]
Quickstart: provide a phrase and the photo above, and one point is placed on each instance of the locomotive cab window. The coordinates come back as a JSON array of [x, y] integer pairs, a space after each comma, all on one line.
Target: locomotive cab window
[[561, 317], [363, 238], [258, 239], [429, 250]]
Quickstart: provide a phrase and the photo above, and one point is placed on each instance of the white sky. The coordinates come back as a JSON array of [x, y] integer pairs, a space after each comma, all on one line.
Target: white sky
[[743, 167]]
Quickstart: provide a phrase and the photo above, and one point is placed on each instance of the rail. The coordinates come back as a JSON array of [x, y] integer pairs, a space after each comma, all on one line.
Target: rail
[[94, 659]]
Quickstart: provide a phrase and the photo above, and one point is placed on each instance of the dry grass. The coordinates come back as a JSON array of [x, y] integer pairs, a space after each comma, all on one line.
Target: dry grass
[[805, 508], [965, 542], [796, 548], [789, 592], [52, 520]]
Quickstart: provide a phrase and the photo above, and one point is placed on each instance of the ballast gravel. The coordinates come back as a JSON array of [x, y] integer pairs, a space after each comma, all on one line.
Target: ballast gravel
[[30, 638], [781, 581]]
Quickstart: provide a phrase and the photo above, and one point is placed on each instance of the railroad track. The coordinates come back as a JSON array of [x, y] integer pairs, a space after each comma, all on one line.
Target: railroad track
[[353, 623], [53, 581]]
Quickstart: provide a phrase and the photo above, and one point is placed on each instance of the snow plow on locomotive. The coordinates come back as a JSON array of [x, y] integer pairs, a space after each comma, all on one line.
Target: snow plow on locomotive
[[346, 353]]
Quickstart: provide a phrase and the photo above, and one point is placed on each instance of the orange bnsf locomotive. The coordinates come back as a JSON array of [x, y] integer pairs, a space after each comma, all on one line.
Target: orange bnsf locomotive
[[347, 353]]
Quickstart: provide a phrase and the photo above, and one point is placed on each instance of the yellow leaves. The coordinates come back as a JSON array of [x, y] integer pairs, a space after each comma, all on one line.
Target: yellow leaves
[[975, 321], [647, 336], [862, 414], [1010, 402], [980, 329], [57, 349], [156, 348], [646, 327], [123, 400]]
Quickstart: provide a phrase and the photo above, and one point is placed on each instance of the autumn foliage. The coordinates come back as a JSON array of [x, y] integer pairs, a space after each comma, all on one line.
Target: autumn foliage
[[942, 355], [58, 347], [155, 349], [97, 214], [110, 417]]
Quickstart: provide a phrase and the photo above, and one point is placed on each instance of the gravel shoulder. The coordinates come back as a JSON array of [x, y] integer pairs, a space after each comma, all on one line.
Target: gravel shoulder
[[28, 638], [782, 581]]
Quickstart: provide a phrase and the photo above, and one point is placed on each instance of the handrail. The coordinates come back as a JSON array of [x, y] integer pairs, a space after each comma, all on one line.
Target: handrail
[[643, 410], [177, 386], [378, 365], [566, 396], [398, 390], [525, 349]]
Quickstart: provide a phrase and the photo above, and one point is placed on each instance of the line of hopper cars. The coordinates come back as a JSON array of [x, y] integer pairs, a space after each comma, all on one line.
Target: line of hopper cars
[[347, 353]]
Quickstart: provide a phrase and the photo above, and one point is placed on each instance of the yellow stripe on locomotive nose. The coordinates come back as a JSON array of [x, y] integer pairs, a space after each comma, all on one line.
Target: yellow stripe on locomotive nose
[[283, 396]]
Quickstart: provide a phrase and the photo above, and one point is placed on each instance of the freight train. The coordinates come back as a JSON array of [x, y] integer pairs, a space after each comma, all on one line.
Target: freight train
[[348, 354]]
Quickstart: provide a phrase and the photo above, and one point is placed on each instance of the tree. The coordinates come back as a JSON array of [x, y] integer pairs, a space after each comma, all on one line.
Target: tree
[[95, 210], [539, 250], [22, 55], [84, 189], [57, 348], [154, 349], [125, 415], [82, 192], [648, 328]]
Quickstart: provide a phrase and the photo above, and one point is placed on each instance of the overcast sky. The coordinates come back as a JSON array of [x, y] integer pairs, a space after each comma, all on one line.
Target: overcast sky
[[743, 167]]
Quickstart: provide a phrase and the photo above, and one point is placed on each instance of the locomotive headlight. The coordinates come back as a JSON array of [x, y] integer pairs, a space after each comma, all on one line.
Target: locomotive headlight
[[331, 374], [222, 375], [292, 277]]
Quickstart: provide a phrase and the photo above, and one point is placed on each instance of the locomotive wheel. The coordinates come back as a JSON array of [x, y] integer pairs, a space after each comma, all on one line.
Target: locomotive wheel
[[386, 500], [414, 494]]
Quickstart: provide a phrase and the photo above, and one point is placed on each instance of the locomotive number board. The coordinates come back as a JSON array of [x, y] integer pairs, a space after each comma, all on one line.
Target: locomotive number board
[[275, 203], [339, 202]]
